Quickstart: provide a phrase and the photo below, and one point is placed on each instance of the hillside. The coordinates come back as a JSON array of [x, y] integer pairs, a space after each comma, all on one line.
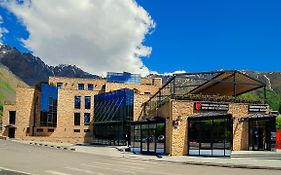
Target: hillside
[[8, 84], [32, 69]]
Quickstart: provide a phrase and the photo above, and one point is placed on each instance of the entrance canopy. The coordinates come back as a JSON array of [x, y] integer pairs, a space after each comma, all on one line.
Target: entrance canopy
[[228, 83]]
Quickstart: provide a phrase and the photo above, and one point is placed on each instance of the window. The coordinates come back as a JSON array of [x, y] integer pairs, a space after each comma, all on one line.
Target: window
[[76, 130], [80, 86], [12, 117], [39, 130], [51, 130], [87, 102], [77, 119], [90, 87], [77, 102], [87, 130], [59, 85], [147, 93], [86, 118]]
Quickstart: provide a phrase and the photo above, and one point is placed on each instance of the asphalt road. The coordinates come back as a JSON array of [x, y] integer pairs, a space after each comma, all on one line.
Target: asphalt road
[[43, 160]]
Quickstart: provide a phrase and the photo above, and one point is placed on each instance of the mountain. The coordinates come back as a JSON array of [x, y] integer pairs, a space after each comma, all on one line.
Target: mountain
[[33, 70], [8, 84]]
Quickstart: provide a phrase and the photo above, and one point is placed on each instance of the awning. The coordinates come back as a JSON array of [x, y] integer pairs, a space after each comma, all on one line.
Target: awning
[[228, 83], [209, 115], [260, 116]]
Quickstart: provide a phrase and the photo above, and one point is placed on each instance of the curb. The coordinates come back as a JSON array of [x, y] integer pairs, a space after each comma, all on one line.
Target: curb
[[226, 165], [52, 146]]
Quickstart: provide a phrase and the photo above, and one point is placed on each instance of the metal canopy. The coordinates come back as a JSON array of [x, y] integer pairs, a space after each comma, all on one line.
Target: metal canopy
[[228, 83]]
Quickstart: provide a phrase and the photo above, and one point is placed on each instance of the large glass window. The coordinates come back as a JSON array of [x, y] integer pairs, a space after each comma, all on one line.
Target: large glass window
[[147, 137], [87, 102], [12, 117], [87, 118], [210, 136], [77, 119], [77, 102]]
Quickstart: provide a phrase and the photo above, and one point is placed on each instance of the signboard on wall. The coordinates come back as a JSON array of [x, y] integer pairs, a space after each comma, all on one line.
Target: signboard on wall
[[257, 108], [209, 106]]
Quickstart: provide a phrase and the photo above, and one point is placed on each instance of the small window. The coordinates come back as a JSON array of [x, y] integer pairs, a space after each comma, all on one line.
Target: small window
[[39, 130], [51, 130], [59, 85], [76, 130], [80, 86], [12, 117], [86, 118], [77, 102], [77, 119], [27, 130], [87, 130], [90, 87], [147, 93], [87, 102]]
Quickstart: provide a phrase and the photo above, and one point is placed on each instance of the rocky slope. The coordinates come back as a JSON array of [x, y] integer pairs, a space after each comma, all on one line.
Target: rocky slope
[[33, 70]]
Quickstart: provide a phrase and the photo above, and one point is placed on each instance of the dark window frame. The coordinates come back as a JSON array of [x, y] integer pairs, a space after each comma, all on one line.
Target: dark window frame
[[90, 87], [77, 102], [12, 117], [77, 119], [81, 86], [59, 85], [87, 103], [89, 120]]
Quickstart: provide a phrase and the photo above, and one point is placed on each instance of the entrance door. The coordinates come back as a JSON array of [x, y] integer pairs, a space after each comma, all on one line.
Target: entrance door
[[257, 136], [148, 141], [11, 133], [260, 134]]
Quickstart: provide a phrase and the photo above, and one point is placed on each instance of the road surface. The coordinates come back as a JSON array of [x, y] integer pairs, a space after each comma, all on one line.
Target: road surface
[[33, 159]]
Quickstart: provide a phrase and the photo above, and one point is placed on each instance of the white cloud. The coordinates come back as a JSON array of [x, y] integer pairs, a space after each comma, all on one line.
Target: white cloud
[[175, 72], [2, 30], [96, 35]]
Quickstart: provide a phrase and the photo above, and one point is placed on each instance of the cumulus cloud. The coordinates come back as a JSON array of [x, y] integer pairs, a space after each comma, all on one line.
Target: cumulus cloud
[[2, 30], [96, 35], [175, 72]]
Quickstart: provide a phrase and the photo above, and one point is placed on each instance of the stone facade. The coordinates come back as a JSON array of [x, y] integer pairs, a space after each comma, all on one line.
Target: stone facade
[[27, 108], [180, 110]]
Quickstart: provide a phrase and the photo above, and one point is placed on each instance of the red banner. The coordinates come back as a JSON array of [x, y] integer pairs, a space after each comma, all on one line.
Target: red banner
[[278, 139]]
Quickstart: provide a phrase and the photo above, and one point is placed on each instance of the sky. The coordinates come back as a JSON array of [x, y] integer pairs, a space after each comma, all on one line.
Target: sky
[[145, 36]]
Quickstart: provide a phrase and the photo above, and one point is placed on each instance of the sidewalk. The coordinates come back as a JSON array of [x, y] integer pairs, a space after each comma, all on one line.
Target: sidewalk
[[113, 151]]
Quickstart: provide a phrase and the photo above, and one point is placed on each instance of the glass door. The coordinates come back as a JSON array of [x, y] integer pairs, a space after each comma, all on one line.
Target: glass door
[[148, 141]]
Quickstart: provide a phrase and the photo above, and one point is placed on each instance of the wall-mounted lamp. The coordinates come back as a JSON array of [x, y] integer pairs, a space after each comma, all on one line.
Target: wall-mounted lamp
[[176, 123]]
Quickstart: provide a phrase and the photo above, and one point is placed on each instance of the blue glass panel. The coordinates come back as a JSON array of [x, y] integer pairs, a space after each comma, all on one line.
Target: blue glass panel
[[48, 93], [125, 77]]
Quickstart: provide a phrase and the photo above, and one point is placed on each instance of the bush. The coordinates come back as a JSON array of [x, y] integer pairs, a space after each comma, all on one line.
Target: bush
[[278, 122]]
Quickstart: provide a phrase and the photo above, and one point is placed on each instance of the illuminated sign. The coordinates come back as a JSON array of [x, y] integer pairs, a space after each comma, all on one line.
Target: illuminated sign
[[257, 108], [208, 106]]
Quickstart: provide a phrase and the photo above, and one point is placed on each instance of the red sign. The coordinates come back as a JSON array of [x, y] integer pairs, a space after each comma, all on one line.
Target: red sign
[[197, 106]]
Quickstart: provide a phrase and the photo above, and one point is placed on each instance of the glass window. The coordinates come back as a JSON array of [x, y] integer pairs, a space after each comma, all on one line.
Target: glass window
[[86, 118], [76, 119], [77, 102], [87, 102], [90, 87], [59, 85], [80, 86], [12, 117]]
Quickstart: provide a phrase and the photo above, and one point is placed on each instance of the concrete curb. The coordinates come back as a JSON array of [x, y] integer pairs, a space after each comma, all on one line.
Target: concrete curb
[[53, 146], [218, 164]]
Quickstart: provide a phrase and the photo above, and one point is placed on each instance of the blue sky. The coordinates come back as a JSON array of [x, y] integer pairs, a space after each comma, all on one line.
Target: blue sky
[[200, 35]]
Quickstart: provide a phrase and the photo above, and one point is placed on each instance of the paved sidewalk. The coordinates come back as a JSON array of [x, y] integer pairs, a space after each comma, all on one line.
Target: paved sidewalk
[[113, 151]]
